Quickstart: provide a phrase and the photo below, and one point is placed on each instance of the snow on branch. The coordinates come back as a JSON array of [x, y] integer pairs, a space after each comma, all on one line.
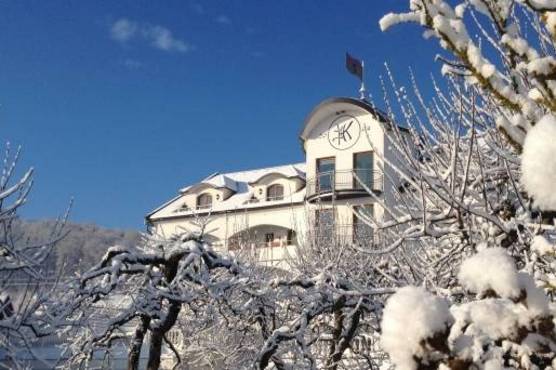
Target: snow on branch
[[517, 73], [538, 165], [495, 331]]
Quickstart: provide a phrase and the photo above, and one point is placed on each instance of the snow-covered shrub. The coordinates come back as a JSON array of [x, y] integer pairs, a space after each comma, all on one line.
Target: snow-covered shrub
[[414, 323], [490, 271], [541, 246], [486, 160], [511, 327], [538, 163]]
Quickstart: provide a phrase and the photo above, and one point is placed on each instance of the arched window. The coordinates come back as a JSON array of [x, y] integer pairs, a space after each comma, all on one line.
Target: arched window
[[204, 201], [275, 192]]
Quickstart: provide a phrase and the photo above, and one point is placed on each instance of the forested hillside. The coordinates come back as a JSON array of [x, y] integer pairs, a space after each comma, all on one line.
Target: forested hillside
[[82, 245]]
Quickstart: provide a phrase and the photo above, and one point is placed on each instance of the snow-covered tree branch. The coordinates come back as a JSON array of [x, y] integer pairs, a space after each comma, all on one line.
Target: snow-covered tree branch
[[23, 295], [505, 47], [148, 287], [479, 190], [505, 322]]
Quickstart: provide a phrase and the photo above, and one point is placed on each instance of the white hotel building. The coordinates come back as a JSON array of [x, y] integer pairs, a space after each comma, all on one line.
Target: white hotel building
[[268, 210]]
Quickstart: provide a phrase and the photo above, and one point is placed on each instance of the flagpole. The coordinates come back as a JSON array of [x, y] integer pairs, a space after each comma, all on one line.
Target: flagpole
[[362, 90]]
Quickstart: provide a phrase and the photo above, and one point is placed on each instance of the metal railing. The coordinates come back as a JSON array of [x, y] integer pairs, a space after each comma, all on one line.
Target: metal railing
[[344, 180]]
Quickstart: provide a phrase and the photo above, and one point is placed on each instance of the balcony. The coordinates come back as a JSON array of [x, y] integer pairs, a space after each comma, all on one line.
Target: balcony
[[344, 184]]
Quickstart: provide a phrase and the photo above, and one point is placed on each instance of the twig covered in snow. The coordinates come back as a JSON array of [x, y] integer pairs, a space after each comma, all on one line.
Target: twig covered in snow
[[151, 288], [510, 57], [23, 297]]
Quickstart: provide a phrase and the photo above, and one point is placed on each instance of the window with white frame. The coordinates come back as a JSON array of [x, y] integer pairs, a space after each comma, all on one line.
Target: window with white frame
[[275, 192], [204, 201]]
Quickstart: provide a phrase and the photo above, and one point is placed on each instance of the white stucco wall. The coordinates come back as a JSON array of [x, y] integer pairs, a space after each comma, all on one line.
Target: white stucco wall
[[263, 217], [317, 144], [223, 225]]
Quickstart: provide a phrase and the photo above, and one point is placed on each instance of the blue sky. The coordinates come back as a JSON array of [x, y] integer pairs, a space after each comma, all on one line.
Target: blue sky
[[119, 104]]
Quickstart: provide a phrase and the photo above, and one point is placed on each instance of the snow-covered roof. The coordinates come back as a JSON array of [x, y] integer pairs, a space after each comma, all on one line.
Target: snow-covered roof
[[216, 181], [233, 180], [240, 183], [288, 171]]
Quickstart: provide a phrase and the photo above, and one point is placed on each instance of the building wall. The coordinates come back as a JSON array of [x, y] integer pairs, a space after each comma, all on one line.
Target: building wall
[[371, 138], [248, 226], [224, 225], [318, 144], [394, 165]]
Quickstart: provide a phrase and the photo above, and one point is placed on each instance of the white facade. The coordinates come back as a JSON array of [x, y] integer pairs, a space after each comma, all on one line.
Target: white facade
[[267, 211]]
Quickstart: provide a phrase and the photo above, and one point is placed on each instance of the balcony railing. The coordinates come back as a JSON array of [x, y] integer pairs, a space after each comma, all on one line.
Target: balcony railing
[[328, 183]]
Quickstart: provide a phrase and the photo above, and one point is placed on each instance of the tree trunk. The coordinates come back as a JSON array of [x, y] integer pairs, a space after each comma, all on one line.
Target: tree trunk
[[342, 337], [157, 336], [155, 350], [334, 355], [137, 342]]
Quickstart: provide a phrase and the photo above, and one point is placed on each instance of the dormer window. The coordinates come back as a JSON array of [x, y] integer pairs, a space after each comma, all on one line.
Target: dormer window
[[275, 192], [204, 201]]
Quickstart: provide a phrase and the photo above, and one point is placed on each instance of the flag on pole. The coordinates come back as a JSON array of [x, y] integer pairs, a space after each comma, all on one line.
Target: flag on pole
[[354, 66]]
